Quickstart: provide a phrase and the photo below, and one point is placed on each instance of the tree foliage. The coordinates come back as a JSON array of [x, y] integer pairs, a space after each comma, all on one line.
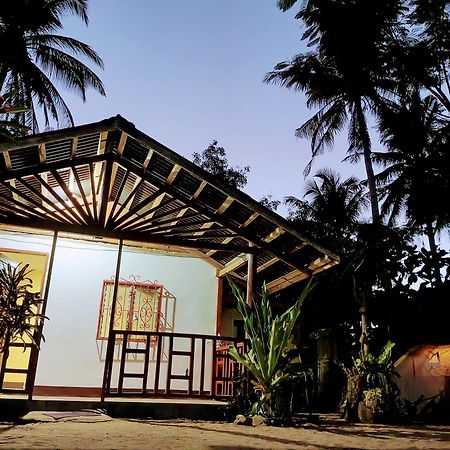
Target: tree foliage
[[214, 160], [35, 59]]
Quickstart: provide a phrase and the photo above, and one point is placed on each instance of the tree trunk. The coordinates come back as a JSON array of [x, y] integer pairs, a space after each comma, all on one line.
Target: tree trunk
[[371, 185], [364, 327], [434, 252]]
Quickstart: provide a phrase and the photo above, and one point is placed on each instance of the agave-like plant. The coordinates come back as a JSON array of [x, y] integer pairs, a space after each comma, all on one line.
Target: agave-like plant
[[273, 357], [19, 307]]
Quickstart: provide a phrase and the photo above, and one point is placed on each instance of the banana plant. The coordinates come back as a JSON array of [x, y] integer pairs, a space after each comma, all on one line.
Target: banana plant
[[19, 307], [273, 357]]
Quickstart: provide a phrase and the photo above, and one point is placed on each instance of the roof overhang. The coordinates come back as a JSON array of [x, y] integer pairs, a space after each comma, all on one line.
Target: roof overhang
[[109, 179]]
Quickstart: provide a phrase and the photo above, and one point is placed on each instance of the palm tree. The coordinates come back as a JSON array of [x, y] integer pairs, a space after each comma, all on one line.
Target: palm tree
[[415, 179], [34, 57], [344, 76], [332, 207]]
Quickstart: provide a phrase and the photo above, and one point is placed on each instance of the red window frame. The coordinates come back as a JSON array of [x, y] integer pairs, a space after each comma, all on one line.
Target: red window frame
[[102, 336]]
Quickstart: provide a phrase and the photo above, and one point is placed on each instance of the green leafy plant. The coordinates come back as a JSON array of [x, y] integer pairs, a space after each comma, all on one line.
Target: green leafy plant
[[273, 358], [371, 379], [19, 307]]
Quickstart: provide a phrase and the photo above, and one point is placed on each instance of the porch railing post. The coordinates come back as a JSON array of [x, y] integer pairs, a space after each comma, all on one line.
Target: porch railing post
[[34, 354], [111, 337]]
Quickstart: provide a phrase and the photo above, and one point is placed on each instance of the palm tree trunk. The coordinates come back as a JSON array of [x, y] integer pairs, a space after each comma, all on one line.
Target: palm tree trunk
[[364, 327], [371, 185], [434, 251]]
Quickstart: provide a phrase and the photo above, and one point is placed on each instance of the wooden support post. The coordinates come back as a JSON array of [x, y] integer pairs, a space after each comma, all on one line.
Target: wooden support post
[[111, 338], [35, 351], [251, 278]]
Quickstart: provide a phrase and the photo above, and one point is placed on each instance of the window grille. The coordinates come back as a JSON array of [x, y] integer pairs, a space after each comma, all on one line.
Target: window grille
[[138, 308]]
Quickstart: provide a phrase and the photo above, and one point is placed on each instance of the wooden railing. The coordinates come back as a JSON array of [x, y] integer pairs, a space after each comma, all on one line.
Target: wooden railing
[[170, 364]]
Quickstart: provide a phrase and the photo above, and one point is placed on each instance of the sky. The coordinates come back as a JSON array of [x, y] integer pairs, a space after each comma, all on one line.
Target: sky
[[190, 72]]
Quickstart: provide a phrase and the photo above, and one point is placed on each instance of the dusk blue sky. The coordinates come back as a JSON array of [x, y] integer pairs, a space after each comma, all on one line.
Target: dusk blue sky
[[188, 72]]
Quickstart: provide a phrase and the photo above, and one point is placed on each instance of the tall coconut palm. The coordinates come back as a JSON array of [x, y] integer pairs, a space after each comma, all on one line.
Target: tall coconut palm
[[415, 179], [332, 207], [35, 59], [343, 76]]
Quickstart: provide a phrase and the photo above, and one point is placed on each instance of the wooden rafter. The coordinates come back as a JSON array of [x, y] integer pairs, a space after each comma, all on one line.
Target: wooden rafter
[[81, 192]]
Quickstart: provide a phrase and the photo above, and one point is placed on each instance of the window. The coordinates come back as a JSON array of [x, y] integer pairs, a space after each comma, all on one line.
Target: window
[[138, 308]]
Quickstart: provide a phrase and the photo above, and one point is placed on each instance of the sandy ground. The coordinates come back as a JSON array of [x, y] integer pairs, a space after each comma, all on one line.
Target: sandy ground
[[148, 434]]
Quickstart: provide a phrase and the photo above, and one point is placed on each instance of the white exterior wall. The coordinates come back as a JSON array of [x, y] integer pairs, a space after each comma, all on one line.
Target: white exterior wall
[[70, 354]]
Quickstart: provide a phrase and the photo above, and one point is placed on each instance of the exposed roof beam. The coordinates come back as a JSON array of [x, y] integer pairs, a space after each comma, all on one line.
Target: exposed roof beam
[[125, 235], [233, 265]]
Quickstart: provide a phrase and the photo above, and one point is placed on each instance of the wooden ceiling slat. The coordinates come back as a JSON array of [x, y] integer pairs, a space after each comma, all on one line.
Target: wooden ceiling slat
[[83, 194], [117, 198], [193, 232], [47, 167], [137, 208], [73, 147], [129, 200], [151, 215], [71, 197], [233, 265], [200, 220], [55, 195], [44, 199], [179, 225], [122, 142], [42, 153], [33, 211], [93, 193]]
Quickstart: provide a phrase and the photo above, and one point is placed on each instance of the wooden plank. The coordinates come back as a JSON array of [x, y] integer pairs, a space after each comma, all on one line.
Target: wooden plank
[[57, 197], [150, 199], [59, 135], [33, 212], [173, 174], [83, 194], [118, 234], [233, 265], [225, 205], [55, 208], [105, 193], [316, 266], [47, 167], [286, 280], [158, 363], [191, 366], [122, 143], [42, 153], [93, 193], [118, 195], [148, 158], [74, 147], [151, 215], [169, 365], [123, 358], [199, 190], [129, 200], [276, 233], [202, 367], [71, 197]]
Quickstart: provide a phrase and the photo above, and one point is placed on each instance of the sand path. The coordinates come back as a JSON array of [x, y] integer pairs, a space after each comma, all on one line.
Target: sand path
[[130, 434]]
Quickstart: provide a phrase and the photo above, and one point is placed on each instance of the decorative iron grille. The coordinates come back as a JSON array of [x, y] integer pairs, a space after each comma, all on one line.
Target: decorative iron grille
[[140, 307]]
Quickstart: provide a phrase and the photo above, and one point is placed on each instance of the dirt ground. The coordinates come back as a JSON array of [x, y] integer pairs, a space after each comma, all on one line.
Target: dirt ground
[[149, 434]]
